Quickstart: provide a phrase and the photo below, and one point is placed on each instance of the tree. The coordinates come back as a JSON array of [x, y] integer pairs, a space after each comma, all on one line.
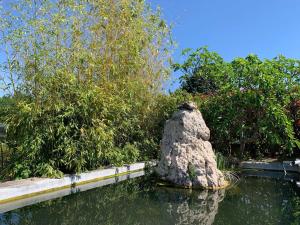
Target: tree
[[201, 71], [84, 76], [251, 104]]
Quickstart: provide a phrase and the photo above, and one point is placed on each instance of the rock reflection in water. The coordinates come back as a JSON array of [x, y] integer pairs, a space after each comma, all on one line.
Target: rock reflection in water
[[126, 203], [192, 207], [140, 202]]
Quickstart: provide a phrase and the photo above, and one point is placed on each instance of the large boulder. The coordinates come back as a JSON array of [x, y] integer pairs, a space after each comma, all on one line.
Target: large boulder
[[187, 158]]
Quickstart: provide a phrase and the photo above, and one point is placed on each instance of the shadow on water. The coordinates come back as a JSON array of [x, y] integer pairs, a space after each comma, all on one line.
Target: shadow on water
[[140, 202]]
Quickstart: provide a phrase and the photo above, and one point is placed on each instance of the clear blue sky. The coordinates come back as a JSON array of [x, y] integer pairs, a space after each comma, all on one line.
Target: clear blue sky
[[234, 27]]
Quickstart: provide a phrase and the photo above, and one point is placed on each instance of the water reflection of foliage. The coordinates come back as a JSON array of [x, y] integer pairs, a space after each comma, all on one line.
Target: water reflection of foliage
[[296, 210], [131, 202], [140, 202], [82, 208], [260, 200]]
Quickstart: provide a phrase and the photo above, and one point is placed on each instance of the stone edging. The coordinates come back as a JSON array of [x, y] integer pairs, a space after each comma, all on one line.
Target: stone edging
[[21, 189], [272, 166]]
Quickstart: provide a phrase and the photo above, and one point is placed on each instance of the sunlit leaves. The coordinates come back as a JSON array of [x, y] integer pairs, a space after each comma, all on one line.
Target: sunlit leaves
[[247, 100], [86, 76]]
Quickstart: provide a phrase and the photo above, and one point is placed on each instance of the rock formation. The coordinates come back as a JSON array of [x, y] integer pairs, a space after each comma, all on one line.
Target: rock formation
[[187, 158]]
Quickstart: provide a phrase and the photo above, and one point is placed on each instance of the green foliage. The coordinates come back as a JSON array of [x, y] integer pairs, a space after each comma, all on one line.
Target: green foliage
[[201, 71], [249, 104], [118, 156], [131, 153], [191, 171], [296, 209], [221, 160], [85, 79], [5, 104]]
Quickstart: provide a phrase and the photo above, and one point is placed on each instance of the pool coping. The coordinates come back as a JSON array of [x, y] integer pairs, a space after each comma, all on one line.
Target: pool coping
[[270, 166], [27, 188]]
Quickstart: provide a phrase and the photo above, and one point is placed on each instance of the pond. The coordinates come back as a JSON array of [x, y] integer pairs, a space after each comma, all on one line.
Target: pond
[[139, 201]]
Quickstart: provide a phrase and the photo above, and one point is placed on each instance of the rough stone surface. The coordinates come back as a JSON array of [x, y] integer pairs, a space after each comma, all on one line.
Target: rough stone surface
[[187, 158]]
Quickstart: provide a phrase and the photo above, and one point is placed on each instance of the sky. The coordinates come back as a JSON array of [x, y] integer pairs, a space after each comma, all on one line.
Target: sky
[[233, 28]]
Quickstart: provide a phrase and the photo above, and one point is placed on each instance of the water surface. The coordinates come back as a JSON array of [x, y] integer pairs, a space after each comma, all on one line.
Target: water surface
[[139, 201]]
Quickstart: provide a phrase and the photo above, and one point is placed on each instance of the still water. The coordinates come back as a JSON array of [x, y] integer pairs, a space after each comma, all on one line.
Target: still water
[[139, 201]]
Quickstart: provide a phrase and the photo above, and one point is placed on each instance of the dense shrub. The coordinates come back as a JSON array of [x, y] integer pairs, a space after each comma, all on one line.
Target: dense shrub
[[248, 103], [6, 103], [86, 79], [86, 129]]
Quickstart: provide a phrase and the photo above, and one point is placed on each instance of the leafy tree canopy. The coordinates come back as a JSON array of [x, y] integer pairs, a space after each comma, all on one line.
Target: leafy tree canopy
[[247, 101]]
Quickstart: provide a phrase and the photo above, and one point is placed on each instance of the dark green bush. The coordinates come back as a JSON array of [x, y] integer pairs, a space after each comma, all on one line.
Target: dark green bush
[[248, 108], [85, 129]]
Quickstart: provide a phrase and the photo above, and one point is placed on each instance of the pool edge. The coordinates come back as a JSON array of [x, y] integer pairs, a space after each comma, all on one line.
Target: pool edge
[[68, 182]]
